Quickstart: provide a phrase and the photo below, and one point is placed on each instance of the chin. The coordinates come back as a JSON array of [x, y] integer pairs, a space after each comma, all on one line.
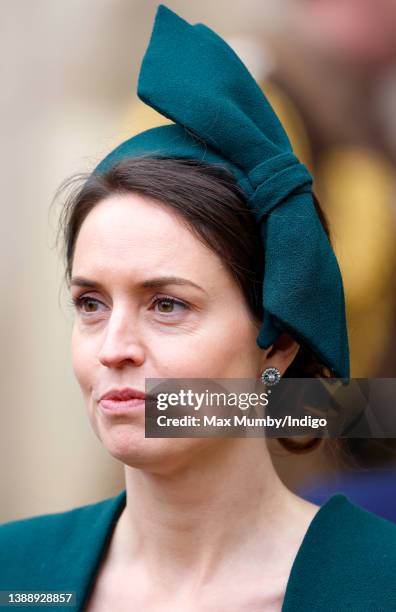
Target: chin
[[156, 455]]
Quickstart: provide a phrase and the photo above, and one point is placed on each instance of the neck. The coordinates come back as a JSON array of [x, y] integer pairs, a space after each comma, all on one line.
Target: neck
[[226, 503]]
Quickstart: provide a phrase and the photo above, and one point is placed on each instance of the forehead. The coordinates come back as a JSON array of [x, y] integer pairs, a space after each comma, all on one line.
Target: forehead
[[130, 232]]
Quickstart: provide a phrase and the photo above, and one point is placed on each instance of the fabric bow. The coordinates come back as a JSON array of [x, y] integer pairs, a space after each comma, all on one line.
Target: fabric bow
[[220, 114]]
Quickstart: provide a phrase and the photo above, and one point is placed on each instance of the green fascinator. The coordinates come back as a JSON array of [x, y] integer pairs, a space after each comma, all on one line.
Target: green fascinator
[[220, 115]]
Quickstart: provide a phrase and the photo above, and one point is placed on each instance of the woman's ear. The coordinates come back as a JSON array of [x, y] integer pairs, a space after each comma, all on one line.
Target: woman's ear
[[281, 353]]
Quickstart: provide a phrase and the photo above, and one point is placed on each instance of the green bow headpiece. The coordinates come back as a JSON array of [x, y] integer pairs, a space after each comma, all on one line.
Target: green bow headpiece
[[191, 76]]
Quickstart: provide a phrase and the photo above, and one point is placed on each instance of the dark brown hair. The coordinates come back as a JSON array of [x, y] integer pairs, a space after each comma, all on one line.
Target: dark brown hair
[[207, 198]]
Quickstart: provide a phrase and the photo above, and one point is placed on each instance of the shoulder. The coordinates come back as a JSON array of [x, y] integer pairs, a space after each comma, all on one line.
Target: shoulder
[[36, 527], [28, 544], [356, 530], [348, 558]]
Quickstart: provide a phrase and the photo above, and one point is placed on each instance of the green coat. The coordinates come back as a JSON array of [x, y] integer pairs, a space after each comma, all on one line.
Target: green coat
[[347, 560]]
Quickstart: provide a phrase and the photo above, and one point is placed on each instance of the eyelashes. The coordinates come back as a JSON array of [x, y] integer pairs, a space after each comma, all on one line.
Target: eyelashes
[[170, 300], [80, 302]]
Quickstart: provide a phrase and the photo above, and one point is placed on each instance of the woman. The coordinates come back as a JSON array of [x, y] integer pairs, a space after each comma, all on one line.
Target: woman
[[165, 247]]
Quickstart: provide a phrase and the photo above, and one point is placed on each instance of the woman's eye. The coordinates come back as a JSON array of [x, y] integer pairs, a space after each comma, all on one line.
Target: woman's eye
[[166, 305], [86, 304]]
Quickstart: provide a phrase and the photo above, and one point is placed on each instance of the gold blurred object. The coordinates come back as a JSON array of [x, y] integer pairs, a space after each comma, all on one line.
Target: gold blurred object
[[291, 121], [140, 117], [357, 186]]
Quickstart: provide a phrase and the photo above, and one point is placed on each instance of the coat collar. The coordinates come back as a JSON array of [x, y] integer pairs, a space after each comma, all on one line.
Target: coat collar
[[337, 562]]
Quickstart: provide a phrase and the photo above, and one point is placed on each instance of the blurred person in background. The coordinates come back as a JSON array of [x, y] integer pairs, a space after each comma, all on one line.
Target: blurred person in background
[[335, 80]]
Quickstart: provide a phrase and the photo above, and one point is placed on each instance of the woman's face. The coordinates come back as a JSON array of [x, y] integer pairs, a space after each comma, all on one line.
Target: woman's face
[[136, 323]]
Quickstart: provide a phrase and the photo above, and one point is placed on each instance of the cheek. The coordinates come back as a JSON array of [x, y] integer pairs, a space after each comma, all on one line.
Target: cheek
[[82, 361], [225, 347]]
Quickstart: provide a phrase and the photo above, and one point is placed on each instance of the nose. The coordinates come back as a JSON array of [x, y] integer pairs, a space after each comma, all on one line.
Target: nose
[[122, 343]]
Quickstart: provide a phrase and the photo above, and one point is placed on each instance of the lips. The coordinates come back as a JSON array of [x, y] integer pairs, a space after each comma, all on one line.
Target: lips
[[122, 395], [122, 402]]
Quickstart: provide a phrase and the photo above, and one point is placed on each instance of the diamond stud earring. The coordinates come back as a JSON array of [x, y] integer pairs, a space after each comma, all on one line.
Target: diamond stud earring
[[270, 376]]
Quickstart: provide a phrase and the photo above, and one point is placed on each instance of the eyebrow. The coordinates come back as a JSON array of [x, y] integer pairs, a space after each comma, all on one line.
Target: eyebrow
[[160, 281]]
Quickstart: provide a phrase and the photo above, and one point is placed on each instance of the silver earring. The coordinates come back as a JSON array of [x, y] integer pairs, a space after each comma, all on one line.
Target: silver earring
[[270, 376]]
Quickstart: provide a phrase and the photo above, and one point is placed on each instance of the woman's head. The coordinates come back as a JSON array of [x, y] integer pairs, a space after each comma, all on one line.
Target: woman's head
[[128, 230]]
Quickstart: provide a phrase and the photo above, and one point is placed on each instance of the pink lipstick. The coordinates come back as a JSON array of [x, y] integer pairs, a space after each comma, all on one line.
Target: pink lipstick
[[121, 401]]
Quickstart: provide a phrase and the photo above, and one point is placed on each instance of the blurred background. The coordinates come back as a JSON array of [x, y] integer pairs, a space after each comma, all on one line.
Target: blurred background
[[68, 82]]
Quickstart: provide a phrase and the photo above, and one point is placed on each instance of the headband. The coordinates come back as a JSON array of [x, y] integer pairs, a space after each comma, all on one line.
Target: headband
[[220, 115]]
